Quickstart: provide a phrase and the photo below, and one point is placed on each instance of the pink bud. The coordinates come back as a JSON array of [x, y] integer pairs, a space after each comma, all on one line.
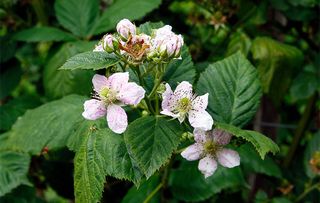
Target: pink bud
[[126, 28]]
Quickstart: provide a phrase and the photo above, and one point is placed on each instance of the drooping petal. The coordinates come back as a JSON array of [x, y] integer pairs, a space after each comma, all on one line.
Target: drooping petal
[[201, 120], [167, 98], [93, 109], [117, 80], [228, 158], [200, 103], [183, 90], [117, 118], [131, 93], [169, 113], [221, 137], [193, 152], [99, 82], [207, 166], [199, 135]]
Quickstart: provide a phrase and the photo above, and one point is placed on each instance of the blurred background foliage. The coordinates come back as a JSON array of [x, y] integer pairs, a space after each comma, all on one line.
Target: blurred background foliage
[[280, 37]]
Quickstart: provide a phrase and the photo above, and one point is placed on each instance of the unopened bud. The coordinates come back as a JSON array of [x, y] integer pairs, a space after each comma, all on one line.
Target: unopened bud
[[125, 28]]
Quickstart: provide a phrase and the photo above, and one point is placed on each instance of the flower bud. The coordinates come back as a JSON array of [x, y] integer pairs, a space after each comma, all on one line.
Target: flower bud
[[126, 28], [98, 48], [110, 43]]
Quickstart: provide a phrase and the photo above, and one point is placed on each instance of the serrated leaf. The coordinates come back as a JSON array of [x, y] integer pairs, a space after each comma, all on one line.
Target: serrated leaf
[[14, 167], [78, 16], [90, 60], [261, 143], [188, 184], [151, 141], [120, 9], [234, 90], [239, 41], [43, 34], [59, 83]]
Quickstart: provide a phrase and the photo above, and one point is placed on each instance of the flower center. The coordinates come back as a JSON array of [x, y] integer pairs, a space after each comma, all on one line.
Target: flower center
[[107, 95], [184, 105], [211, 148]]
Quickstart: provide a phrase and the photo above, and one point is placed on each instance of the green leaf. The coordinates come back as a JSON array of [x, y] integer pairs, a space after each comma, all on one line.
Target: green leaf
[[277, 64], [22, 194], [234, 90], [43, 34], [188, 184], [151, 141], [59, 83], [138, 195], [14, 167], [50, 125], [90, 60], [312, 148], [147, 27], [181, 69], [120, 9], [239, 41], [78, 16], [261, 143]]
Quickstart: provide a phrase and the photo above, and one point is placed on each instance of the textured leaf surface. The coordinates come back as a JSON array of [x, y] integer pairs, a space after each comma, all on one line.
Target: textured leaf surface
[[14, 167], [188, 184], [43, 34], [234, 90], [152, 141], [261, 143], [239, 41], [90, 60], [77, 16]]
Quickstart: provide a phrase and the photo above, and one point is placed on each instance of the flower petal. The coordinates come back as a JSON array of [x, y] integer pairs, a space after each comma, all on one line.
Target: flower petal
[[207, 166], [184, 89], [167, 99], [193, 152], [221, 137], [201, 120], [131, 93], [199, 135], [200, 103], [117, 80], [93, 109], [99, 82], [169, 113], [228, 158], [117, 118]]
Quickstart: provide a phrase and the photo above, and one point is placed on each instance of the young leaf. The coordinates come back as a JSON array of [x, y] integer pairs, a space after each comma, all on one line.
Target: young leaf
[[152, 141], [90, 60], [43, 34], [14, 167], [77, 16], [234, 90], [261, 143]]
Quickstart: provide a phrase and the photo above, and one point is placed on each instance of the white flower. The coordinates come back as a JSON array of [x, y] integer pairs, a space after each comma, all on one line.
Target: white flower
[[126, 28], [209, 149], [108, 43], [183, 102]]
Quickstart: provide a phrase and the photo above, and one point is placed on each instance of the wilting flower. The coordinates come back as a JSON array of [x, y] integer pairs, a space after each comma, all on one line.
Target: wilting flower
[[110, 94], [209, 149], [126, 28], [136, 47], [182, 102]]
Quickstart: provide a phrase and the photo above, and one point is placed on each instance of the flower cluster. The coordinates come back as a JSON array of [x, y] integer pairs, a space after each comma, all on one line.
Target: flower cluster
[[162, 46]]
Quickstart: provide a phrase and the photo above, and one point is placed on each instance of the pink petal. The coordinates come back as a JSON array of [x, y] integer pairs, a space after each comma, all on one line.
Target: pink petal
[[221, 137], [117, 80], [167, 98], [93, 109], [200, 103], [228, 158], [184, 89], [193, 152], [99, 82], [131, 93], [201, 120], [199, 135], [207, 166], [117, 118]]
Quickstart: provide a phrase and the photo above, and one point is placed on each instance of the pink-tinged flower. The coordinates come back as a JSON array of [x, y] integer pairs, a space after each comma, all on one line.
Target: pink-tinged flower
[[209, 148], [182, 102], [98, 48], [108, 42], [110, 94], [126, 28]]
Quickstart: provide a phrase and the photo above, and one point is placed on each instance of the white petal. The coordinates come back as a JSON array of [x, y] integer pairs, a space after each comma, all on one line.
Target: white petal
[[93, 109], [199, 135], [228, 158], [184, 89], [221, 137], [193, 152], [169, 113], [201, 120], [207, 166], [200, 103], [131, 93], [167, 99], [99, 82], [117, 118], [117, 80]]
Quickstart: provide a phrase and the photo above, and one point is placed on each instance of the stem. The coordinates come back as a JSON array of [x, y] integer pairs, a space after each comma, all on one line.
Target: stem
[[38, 7], [141, 81], [307, 191], [149, 197], [157, 105]]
